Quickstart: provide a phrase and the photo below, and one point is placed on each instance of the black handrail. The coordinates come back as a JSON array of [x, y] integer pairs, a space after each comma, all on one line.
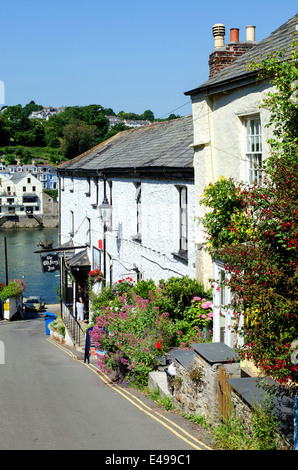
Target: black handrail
[[73, 326]]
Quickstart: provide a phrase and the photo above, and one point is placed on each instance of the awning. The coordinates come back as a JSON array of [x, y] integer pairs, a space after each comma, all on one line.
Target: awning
[[80, 259]]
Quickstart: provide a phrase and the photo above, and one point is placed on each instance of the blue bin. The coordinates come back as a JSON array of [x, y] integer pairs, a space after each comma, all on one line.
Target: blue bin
[[49, 318]]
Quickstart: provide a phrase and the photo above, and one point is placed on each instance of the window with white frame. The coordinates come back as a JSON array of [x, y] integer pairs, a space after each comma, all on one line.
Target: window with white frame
[[88, 192], [183, 242], [96, 202], [138, 199], [110, 199], [71, 233], [225, 328], [253, 149], [88, 233]]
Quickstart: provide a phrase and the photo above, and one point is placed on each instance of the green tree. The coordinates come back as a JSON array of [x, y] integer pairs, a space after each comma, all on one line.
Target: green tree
[[4, 135], [30, 107], [148, 115], [115, 130], [51, 137], [16, 123], [78, 137]]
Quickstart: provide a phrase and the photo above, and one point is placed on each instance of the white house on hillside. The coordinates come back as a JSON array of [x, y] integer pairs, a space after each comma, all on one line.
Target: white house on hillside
[[20, 194], [147, 176], [230, 134]]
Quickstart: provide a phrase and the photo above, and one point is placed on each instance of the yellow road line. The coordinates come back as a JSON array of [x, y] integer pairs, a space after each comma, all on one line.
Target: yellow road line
[[126, 394], [154, 411]]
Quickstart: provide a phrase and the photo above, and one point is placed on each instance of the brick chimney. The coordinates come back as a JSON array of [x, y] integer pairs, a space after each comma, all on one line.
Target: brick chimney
[[224, 55]]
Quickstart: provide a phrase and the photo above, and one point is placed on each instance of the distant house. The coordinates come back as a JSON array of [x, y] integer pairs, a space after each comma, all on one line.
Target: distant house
[[20, 194], [230, 135], [147, 176], [46, 112], [45, 173], [113, 120]]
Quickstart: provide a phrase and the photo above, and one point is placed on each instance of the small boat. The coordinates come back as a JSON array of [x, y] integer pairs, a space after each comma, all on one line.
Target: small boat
[[34, 304]]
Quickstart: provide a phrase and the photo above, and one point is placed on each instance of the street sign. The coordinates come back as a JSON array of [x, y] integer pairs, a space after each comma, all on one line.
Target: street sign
[[50, 263]]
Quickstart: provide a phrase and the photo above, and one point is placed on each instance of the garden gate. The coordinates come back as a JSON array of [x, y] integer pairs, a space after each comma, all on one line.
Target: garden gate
[[225, 401]]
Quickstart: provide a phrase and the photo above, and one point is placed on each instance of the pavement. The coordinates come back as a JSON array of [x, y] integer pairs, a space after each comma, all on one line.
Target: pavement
[[53, 308]]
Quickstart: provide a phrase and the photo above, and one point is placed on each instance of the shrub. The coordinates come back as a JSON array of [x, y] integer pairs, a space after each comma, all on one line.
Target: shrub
[[186, 335], [58, 326], [14, 289], [132, 335], [199, 313], [133, 329], [100, 300], [180, 292], [258, 434], [123, 286], [144, 288]]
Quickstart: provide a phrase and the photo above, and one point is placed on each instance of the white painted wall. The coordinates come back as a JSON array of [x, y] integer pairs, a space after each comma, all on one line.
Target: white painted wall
[[219, 138], [160, 226], [16, 190], [219, 147]]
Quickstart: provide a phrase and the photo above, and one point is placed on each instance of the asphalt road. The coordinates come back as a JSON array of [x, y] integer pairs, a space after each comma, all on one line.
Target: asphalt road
[[50, 400]]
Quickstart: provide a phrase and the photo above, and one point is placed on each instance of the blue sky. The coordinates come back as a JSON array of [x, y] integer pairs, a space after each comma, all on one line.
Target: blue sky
[[124, 54]]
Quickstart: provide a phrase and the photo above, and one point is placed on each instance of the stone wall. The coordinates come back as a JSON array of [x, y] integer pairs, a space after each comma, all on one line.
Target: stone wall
[[23, 221], [209, 381], [195, 387]]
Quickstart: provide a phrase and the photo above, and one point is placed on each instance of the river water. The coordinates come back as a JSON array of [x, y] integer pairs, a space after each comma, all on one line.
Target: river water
[[24, 264]]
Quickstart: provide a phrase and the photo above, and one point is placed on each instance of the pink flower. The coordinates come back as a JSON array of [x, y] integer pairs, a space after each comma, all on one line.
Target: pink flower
[[197, 298], [207, 304]]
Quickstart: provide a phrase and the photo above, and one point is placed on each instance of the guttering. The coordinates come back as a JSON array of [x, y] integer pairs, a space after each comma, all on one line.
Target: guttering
[[133, 172]]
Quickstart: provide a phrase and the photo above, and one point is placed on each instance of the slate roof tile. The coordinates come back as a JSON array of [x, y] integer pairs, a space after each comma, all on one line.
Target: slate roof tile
[[164, 144]]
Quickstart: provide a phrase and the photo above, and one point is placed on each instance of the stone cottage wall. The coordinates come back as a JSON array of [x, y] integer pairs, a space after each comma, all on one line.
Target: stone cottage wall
[[209, 381], [195, 388]]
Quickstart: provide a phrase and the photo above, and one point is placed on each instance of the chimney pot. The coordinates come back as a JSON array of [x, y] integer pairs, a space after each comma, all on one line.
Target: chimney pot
[[234, 35], [250, 33], [218, 31]]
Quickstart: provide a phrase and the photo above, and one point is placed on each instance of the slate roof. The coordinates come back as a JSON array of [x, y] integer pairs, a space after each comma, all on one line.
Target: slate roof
[[281, 39], [16, 177], [158, 145]]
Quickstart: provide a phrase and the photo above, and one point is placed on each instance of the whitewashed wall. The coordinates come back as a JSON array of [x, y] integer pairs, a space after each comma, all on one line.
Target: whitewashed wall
[[17, 189], [160, 226], [219, 148]]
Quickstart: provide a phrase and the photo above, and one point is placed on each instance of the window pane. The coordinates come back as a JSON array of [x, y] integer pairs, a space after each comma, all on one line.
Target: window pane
[[183, 219], [253, 150]]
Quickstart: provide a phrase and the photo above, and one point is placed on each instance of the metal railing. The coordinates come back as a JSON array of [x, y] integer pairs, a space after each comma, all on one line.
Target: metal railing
[[74, 328]]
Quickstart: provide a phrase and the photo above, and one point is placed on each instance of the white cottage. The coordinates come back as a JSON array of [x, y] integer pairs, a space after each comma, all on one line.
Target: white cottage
[[230, 134], [147, 177], [20, 194]]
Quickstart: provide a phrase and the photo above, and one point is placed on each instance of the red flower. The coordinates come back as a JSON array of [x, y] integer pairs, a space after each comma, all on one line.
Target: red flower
[[158, 345]]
